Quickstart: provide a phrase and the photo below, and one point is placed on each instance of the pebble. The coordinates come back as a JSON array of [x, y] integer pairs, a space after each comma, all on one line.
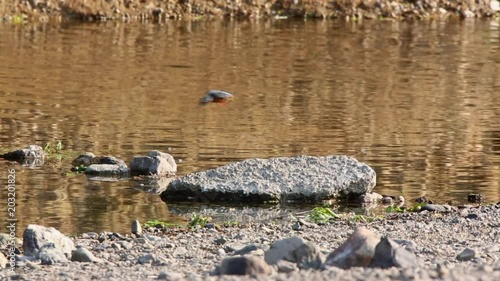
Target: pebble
[[82, 254], [136, 227], [466, 254]]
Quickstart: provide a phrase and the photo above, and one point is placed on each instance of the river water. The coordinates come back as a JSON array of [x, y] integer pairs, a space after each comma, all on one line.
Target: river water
[[419, 102]]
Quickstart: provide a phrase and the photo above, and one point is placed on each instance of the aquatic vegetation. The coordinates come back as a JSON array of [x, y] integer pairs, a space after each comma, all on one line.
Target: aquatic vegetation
[[76, 170], [56, 151], [402, 209], [322, 215], [199, 220], [51, 149]]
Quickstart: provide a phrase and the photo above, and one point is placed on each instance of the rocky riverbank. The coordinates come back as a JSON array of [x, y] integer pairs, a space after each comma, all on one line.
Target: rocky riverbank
[[457, 245], [161, 10]]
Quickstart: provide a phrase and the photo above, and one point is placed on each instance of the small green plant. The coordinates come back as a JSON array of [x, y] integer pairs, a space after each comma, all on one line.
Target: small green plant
[[322, 215], [158, 223], [230, 223], [76, 170], [53, 149], [402, 209], [416, 207], [199, 220], [395, 209]]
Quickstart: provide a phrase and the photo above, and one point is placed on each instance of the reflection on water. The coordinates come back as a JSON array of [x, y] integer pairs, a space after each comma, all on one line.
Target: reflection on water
[[418, 102]]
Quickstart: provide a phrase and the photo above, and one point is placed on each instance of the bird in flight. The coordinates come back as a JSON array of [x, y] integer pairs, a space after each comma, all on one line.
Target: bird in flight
[[217, 97]]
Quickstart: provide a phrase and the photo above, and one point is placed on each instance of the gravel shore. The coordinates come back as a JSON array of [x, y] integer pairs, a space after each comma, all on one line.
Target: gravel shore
[[437, 239]]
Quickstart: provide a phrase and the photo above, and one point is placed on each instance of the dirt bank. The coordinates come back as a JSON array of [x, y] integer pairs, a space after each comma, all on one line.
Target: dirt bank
[[161, 10]]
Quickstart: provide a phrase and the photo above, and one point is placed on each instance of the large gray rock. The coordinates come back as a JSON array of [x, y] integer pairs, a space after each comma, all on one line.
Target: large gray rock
[[155, 164], [276, 179], [294, 249], [35, 236]]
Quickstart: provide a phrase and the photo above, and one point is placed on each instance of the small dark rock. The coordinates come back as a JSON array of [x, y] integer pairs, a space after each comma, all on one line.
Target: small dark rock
[[387, 200], [245, 265], [220, 241], [471, 216], [246, 250], [109, 160], [85, 159], [297, 226], [475, 198], [424, 199], [466, 255], [436, 208]]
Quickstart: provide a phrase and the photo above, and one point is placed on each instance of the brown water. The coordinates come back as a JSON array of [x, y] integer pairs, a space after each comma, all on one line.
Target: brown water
[[419, 102]]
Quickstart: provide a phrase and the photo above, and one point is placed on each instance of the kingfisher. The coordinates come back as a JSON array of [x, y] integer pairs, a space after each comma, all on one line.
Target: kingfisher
[[216, 96]]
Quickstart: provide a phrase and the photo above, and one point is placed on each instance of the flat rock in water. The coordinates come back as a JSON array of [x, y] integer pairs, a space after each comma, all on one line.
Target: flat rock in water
[[156, 163], [276, 179], [34, 155], [106, 170]]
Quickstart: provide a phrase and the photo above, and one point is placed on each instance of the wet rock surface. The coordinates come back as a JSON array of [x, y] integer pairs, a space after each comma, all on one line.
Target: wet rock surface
[[437, 240], [282, 179], [160, 10], [34, 155], [156, 163]]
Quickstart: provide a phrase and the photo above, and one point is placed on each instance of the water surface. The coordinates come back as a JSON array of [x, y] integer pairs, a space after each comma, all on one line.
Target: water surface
[[419, 102]]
